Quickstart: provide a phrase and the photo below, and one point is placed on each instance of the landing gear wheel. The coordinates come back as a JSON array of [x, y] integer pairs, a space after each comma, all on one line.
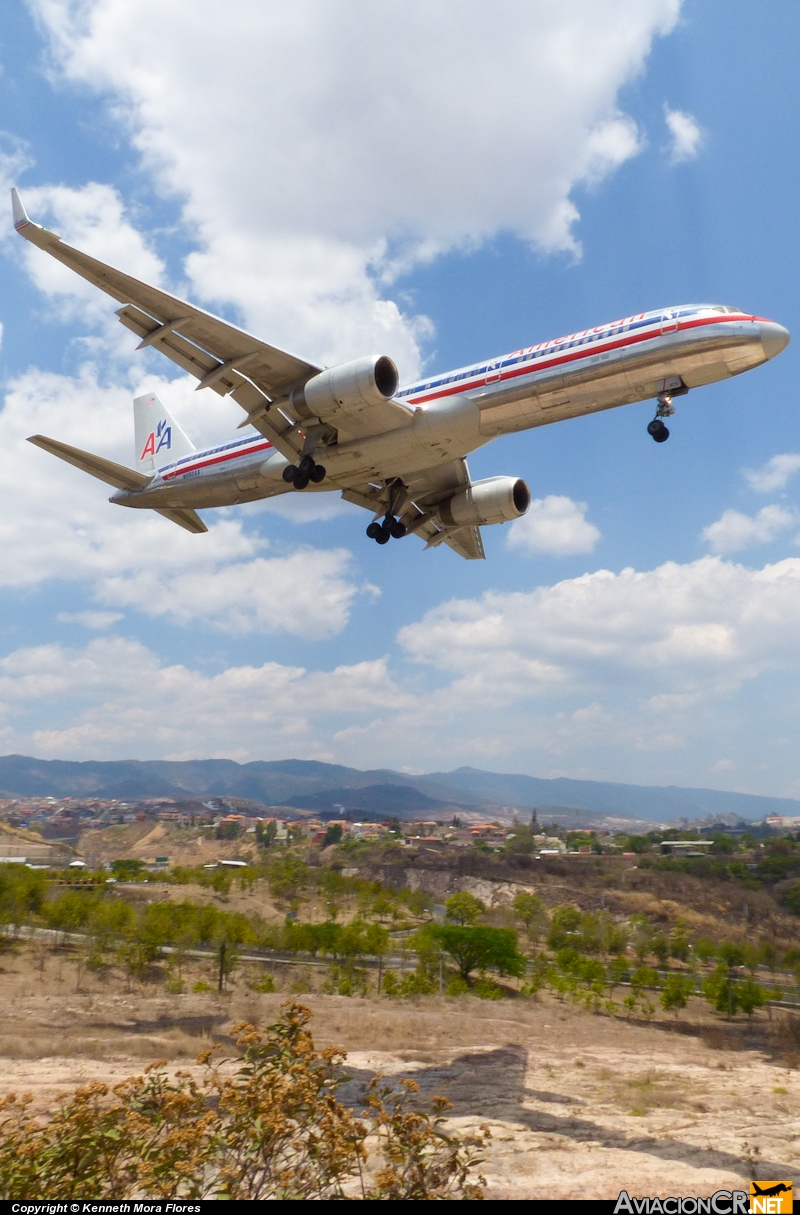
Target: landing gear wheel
[[300, 481], [306, 466], [317, 473], [397, 529], [657, 430], [374, 530], [382, 537], [290, 472]]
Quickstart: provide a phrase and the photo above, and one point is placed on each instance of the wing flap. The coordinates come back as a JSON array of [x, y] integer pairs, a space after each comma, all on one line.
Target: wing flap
[[467, 543], [188, 519], [105, 470]]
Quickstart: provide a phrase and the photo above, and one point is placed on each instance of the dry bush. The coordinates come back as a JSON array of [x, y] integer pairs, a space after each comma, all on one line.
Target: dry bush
[[784, 1037], [271, 1128], [721, 1037]]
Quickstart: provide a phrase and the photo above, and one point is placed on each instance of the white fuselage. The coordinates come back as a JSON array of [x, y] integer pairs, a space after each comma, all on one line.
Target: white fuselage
[[452, 414]]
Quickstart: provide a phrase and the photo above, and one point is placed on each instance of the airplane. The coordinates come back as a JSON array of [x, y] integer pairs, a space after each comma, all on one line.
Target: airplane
[[399, 452]]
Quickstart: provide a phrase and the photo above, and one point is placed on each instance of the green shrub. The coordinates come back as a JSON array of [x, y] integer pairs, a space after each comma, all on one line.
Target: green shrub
[[263, 984], [677, 990], [487, 989], [201, 986]]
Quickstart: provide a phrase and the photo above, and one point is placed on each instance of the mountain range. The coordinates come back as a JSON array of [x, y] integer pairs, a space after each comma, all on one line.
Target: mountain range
[[331, 790]]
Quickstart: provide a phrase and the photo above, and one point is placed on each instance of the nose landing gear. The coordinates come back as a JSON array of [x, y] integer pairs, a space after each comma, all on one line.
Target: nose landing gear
[[656, 429]]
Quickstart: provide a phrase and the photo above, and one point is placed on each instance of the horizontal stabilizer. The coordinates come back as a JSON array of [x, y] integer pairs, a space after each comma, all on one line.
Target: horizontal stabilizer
[[184, 518], [105, 470]]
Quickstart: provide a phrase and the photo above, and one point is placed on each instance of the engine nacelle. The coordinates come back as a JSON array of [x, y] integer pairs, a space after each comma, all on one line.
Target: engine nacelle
[[349, 388], [495, 500]]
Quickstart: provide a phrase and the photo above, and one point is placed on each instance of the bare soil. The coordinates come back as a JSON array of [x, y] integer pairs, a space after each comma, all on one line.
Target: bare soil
[[579, 1105]]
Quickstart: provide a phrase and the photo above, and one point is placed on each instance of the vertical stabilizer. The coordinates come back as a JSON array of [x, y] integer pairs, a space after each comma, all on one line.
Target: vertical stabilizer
[[159, 438]]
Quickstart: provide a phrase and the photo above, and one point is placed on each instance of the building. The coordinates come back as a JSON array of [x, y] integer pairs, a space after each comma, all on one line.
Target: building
[[685, 847]]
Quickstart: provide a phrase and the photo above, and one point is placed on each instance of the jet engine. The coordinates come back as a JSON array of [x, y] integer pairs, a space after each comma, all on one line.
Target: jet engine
[[495, 500], [349, 388]]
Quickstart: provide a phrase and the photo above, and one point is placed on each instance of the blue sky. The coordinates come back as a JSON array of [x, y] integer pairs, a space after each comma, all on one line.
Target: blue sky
[[454, 196]]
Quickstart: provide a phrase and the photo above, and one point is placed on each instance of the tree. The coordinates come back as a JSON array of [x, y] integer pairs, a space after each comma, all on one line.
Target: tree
[[287, 875], [564, 926], [22, 893], [618, 972], [642, 935], [677, 990], [126, 869], [679, 942], [751, 996], [266, 832], [720, 990], [382, 906], [333, 835], [660, 947], [730, 954], [520, 841], [791, 898], [705, 949], [418, 902], [229, 831], [768, 955], [644, 976], [480, 948], [464, 908], [531, 910]]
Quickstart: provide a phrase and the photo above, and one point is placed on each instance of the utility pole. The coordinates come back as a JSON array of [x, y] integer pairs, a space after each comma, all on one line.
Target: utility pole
[[441, 977], [222, 949]]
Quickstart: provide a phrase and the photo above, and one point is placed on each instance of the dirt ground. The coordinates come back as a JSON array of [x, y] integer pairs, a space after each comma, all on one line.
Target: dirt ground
[[579, 1106]]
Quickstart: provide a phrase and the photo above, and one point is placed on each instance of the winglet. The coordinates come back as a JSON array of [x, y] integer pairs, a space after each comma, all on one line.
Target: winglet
[[20, 214]]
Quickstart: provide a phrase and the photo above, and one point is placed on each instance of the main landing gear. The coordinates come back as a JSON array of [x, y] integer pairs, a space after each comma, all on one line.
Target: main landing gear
[[391, 528], [307, 470]]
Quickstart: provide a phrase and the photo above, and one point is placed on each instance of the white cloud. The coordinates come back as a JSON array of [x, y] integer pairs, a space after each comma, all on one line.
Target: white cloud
[[687, 137], [774, 474], [613, 676], [90, 620], [316, 148], [56, 523], [682, 623], [555, 525], [734, 531], [114, 696]]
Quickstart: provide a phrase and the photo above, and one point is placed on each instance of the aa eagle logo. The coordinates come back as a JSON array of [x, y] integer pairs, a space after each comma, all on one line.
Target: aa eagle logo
[[158, 438]]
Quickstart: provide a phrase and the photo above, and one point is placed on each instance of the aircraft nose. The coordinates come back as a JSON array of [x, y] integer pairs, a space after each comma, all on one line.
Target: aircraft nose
[[774, 338]]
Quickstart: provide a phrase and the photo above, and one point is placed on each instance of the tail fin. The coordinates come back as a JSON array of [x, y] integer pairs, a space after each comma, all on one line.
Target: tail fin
[[159, 438]]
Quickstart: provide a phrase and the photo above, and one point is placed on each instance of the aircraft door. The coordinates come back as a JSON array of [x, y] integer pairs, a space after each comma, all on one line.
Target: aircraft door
[[669, 321]]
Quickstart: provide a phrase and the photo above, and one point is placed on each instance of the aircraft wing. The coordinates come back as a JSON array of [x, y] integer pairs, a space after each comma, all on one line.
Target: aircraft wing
[[416, 501], [222, 357]]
